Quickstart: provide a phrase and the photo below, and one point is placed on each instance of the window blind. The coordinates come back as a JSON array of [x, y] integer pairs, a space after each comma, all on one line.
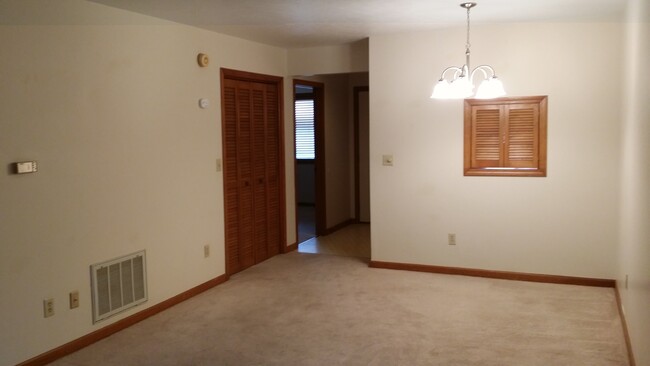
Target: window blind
[[305, 142]]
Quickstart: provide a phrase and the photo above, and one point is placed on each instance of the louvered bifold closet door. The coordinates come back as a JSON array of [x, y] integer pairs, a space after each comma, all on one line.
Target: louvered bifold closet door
[[238, 175], [486, 137], [522, 143], [251, 173]]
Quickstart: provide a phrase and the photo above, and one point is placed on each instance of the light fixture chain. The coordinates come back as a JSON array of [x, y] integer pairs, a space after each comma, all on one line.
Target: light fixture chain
[[467, 45]]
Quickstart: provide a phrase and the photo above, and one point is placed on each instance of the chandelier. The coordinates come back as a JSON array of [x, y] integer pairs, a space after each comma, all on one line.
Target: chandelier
[[461, 84]]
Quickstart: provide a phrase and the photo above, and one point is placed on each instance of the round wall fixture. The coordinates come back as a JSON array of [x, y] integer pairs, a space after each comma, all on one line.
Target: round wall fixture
[[204, 103], [203, 59]]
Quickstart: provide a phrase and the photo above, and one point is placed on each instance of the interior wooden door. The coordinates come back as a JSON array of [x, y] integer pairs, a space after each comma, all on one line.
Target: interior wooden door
[[252, 172]]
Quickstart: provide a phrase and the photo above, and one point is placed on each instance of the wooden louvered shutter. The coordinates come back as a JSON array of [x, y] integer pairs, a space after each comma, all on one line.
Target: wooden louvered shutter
[[486, 136], [522, 139], [506, 136]]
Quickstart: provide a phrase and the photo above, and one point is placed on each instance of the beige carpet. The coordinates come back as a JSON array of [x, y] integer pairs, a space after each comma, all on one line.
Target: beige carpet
[[315, 309]]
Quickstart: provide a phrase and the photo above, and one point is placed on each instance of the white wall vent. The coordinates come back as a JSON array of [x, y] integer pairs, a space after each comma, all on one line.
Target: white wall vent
[[118, 284]]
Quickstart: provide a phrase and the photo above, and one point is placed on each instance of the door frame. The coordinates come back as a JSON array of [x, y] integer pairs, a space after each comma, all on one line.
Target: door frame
[[357, 186], [278, 82], [319, 161]]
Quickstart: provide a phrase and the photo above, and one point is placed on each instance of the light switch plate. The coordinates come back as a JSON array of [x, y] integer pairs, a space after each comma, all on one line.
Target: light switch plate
[[74, 299], [387, 160]]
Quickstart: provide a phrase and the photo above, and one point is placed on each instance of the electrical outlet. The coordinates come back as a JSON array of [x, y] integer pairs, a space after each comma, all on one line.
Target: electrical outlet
[[48, 308], [206, 250], [74, 299], [451, 239], [626, 282]]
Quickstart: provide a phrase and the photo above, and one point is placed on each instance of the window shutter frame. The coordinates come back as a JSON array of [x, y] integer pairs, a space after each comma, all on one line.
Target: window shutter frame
[[522, 128]]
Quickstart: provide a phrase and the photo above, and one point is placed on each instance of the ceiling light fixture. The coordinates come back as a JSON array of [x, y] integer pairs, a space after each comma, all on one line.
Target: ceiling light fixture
[[462, 83]]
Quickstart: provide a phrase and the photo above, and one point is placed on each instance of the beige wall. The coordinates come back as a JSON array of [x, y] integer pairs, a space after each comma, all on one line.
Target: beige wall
[[634, 252], [346, 58], [564, 224], [126, 161]]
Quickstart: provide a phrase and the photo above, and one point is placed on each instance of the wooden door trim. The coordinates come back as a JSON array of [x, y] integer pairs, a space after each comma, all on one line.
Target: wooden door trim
[[504, 275], [319, 163], [251, 76], [278, 82], [357, 171]]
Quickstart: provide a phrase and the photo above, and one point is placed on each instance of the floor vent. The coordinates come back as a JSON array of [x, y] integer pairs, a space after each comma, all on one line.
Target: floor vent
[[118, 284]]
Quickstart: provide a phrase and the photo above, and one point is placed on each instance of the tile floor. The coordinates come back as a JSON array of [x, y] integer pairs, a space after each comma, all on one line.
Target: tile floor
[[351, 241]]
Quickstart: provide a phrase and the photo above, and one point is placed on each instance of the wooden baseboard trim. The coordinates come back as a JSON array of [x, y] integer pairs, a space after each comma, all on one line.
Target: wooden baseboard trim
[[90, 338], [517, 276], [626, 334], [290, 248], [339, 226]]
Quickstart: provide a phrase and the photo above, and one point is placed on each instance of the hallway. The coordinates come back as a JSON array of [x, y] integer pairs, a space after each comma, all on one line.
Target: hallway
[[351, 241]]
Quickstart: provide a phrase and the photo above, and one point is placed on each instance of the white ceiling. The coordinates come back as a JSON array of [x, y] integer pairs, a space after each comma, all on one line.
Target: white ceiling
[[307, 23]]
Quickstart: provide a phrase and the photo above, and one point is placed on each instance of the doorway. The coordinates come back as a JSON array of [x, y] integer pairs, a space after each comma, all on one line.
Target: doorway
[[309, 159]]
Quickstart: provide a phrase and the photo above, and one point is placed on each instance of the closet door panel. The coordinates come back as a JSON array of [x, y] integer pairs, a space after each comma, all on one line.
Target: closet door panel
[[273, 171], [259, 172], [231, 178], [244, 149]]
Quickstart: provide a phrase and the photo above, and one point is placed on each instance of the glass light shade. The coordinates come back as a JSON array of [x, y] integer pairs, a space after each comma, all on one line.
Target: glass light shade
[[458, 88], [441, 90], [461, 88], [490, 88]]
